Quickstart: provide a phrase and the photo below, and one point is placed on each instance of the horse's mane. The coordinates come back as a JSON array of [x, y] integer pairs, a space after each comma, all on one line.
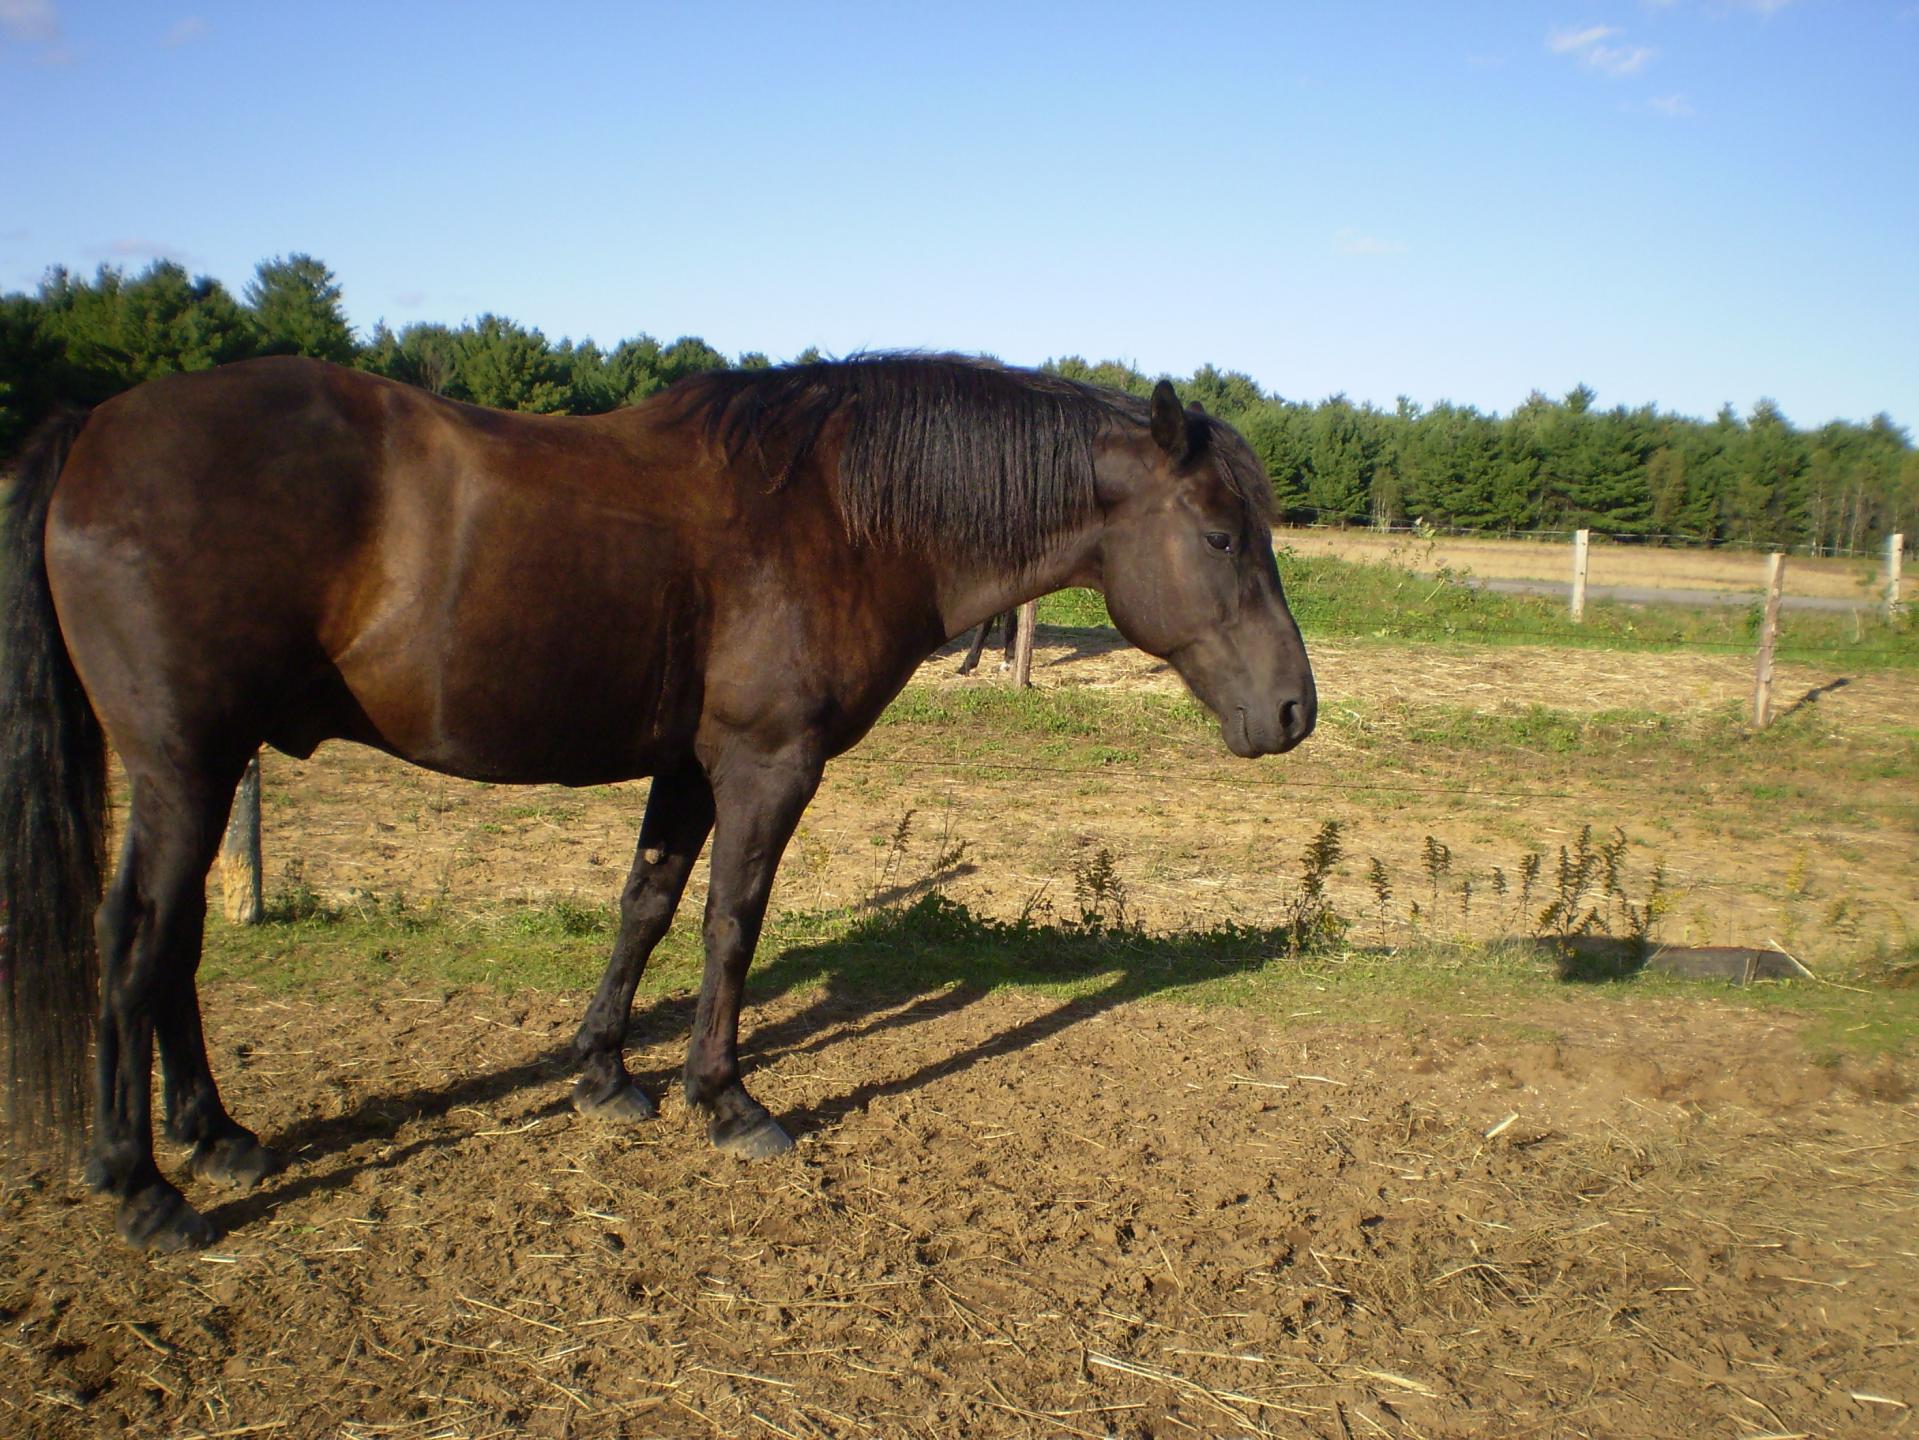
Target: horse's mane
[[946, 451]]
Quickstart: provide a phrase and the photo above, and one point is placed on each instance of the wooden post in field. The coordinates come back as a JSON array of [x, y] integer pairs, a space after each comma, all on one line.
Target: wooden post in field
[[1895, 556], [1580, 539], [1023, 645], [1768, 633], [240, 885]]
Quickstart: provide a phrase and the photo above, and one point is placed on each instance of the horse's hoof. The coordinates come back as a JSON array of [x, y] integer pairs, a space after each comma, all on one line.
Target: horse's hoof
[[158, 1218], [94, 1175], [625, 1106], [752, 1139], [237, 1161]]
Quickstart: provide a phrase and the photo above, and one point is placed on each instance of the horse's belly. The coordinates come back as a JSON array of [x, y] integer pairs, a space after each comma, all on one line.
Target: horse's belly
[[533, 645], [547, 725]]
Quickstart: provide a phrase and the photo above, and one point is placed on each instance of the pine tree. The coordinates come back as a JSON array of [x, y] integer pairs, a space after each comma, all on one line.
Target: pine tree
[[294, 304], [510, 367], [118, 332]]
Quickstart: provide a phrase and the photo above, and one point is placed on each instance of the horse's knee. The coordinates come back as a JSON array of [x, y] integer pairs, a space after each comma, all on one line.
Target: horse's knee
[[645, 915]]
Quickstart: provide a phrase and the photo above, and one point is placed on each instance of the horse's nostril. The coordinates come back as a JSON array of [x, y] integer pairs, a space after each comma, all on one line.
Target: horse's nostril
[[1293, 722]]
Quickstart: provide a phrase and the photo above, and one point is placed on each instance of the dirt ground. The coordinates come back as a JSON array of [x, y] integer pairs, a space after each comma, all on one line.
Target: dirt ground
[[1007, 1216]]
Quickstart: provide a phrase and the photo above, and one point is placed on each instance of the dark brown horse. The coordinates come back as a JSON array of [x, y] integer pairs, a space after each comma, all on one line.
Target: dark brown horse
[[721, 588]]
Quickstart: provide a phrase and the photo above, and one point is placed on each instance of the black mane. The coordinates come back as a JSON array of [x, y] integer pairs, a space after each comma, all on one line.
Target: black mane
[[941, 450]]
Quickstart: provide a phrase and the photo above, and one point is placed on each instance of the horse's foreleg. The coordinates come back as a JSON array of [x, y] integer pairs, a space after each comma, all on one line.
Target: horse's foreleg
[[1009, 625], [759, 800], [679, 814]]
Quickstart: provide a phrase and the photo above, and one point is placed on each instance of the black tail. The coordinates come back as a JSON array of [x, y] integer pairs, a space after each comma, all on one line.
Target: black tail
[[53, 828]]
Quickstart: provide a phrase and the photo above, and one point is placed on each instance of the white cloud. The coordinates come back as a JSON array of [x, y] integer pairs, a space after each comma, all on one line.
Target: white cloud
[[30, 20], [1674, 107], [1620, 59], [1590, 48], [1350, 242], [1563, 42], [185, 31]]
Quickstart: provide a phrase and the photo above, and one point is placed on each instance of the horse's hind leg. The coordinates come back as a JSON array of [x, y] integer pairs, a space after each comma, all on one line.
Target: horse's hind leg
[[973, 652], [149, 931], [679, 814], [224, 1151]]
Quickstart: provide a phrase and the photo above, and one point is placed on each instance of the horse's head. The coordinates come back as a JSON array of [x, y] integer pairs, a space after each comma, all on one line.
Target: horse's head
[[1186, 561]]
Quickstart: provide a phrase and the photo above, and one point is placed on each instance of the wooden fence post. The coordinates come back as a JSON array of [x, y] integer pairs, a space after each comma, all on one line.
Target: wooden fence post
[[1895, 556], [1023, 646], [242, 895], [1580, 541], [1768, 633]]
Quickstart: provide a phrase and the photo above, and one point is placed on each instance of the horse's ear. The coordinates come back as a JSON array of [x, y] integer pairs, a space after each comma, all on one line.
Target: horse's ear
[[1196, 408], [1170, 427]]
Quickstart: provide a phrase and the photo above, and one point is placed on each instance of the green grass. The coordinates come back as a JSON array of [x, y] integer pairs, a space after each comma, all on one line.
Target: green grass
[[1078, 609], [557, 946], [936, 945]]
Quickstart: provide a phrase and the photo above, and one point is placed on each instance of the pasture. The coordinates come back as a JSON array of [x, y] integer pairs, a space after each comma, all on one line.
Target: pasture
[[1089, 1142]]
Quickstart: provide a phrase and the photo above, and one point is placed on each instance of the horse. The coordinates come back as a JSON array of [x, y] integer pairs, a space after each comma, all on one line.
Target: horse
[[721, 588], [1009, 629]]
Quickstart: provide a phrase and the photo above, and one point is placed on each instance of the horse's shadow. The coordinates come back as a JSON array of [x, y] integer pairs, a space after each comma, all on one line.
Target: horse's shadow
[[895, 969]]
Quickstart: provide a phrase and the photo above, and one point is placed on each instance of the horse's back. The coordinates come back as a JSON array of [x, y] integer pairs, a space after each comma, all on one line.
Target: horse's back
[[290, 551]]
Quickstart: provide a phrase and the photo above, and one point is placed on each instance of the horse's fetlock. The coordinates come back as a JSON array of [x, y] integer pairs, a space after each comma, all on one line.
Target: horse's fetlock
[[120, 1168]]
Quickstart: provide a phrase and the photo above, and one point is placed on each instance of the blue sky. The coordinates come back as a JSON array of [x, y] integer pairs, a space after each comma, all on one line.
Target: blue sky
[[1685, 203]]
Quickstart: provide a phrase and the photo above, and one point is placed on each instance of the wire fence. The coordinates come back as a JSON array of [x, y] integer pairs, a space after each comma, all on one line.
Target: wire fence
[[1612, 640], [1886, 599], [1292, 780], [1325, 518]]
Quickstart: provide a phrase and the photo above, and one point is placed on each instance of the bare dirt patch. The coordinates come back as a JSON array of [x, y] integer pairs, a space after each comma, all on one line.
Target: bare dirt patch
[[1007, 1216]]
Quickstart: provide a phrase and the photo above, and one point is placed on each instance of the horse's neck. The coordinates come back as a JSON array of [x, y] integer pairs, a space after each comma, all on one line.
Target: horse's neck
[[971, 594]]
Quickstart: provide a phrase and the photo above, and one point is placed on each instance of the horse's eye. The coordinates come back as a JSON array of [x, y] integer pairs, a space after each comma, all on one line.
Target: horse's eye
[[1220, 541]]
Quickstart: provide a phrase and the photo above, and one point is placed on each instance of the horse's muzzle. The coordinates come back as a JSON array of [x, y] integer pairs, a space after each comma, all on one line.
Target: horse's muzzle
[[1274, 733]]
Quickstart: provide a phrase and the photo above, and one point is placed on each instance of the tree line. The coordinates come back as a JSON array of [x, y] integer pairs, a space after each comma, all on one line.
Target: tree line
[[1549, 464]]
